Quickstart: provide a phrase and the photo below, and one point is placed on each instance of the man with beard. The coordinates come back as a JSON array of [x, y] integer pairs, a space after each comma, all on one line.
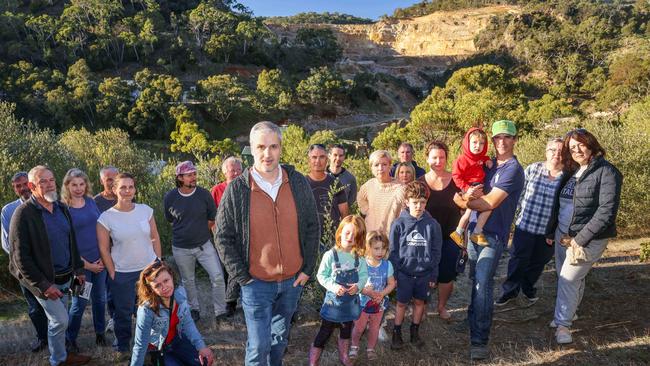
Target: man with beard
[[191, 211], [45, 260], [35, 311], [336, 158]]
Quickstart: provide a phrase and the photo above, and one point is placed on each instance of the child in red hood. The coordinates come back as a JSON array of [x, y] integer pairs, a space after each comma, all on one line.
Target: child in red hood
[[467, 172]]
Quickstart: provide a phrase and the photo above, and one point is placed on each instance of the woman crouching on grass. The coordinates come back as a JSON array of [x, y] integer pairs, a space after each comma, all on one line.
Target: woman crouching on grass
[[165, 330]]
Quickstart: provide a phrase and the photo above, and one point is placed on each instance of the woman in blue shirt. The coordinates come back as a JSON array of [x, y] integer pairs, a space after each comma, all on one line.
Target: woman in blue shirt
[[76, 192]]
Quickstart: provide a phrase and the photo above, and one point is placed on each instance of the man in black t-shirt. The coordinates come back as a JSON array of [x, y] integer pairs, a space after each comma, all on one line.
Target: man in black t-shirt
[[321, 185]]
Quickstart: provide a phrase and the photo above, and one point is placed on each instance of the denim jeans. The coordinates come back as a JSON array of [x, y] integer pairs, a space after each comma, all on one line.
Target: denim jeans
[[98, 297], [528, 256], [123, 291], [483, 262], [181, 352], [57, 322], [268, 308], [207, 256], [36, 314]]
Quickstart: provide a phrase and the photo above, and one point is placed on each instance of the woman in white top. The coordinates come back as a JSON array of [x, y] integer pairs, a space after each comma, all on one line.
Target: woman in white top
[[128, 242]]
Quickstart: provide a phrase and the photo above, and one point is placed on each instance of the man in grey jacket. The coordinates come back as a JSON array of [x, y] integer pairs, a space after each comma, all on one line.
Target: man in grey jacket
[[267, 236]]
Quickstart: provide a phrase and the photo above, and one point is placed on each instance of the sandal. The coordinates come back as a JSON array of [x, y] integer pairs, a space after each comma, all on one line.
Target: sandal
[[372, 355], [444, 315]]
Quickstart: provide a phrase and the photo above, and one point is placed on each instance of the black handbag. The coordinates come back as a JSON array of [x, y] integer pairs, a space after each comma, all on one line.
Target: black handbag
[[461, 261], [155, 358]]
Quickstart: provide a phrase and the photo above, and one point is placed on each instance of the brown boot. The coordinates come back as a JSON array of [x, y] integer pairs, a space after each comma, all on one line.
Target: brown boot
[[314, 355], [75, 359], [344, 347]]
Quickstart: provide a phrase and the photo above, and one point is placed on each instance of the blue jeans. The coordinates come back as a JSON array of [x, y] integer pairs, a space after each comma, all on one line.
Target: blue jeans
[[483, 262], [98, 297], [57, 322], [528, 256], [181, 352], [268, 308], [123, 291], [36, 314]]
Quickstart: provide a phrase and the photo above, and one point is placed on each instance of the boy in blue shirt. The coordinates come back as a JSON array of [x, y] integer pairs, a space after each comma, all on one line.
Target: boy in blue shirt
[[415, 245]]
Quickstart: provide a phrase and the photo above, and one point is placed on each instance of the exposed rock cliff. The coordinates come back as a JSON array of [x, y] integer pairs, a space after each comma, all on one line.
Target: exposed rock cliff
[[406, 48]]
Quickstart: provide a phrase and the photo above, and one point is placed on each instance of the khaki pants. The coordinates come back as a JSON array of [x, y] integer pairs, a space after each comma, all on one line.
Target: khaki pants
[[571, 279]]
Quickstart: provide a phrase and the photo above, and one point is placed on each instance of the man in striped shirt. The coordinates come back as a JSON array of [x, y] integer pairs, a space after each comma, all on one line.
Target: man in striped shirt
[[529, 252]]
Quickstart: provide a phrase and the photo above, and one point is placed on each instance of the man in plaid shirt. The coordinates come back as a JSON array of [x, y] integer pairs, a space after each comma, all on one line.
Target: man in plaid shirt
[[529, 252]]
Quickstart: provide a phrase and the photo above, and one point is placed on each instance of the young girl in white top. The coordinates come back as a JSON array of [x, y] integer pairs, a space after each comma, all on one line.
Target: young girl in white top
[[374, 296]]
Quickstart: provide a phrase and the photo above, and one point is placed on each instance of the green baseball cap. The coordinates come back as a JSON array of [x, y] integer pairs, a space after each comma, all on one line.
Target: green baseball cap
[[504, 126]]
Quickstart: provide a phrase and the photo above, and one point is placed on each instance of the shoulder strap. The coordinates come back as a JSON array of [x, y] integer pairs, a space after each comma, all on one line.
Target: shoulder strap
[[171, 312], [337, 263], [356, 260]]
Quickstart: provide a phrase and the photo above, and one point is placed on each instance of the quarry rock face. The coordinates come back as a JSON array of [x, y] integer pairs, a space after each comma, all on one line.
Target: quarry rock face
[[447, 33], [407, 48]]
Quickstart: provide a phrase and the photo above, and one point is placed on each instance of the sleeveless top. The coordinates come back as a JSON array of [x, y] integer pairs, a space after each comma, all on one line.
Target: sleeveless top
[[442, 207]]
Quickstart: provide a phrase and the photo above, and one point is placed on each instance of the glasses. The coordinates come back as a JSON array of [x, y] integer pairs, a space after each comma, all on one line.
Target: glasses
[[157, 263]]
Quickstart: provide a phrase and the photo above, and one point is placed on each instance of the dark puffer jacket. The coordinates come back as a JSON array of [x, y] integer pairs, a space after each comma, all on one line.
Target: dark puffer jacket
[[596, 199]]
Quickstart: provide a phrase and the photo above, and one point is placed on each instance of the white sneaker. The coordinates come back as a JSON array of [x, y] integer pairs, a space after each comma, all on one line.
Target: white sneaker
[[383, 336], [553, 325], [354, 352], [109, 326], [563, 335]]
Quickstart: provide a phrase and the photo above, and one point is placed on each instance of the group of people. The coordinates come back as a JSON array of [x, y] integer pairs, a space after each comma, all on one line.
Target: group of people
[[259, 235]]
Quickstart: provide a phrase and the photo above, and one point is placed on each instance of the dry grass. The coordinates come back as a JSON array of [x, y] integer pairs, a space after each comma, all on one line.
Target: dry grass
[[613, 328]]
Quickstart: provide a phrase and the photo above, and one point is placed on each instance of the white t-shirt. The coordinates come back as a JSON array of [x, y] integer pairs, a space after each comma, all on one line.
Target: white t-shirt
[[130, 232]]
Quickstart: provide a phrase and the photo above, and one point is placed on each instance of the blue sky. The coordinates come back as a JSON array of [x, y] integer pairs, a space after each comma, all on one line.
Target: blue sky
[[372, 9]]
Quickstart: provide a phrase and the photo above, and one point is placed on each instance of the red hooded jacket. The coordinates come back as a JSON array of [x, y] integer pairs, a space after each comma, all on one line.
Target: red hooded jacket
[[468, 168]]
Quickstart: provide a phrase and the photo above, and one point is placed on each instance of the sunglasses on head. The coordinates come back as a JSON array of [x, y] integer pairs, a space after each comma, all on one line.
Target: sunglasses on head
[[577, 131]]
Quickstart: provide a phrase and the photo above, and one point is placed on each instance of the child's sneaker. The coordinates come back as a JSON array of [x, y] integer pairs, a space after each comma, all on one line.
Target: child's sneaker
[[457, 238], [354, 352], [479, 239]]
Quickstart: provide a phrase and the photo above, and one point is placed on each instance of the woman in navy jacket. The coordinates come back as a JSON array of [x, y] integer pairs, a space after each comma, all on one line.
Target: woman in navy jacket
[[582, 221]]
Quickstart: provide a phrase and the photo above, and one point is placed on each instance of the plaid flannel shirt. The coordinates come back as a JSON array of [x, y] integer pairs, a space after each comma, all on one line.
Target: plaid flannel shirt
[[536, 202]]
